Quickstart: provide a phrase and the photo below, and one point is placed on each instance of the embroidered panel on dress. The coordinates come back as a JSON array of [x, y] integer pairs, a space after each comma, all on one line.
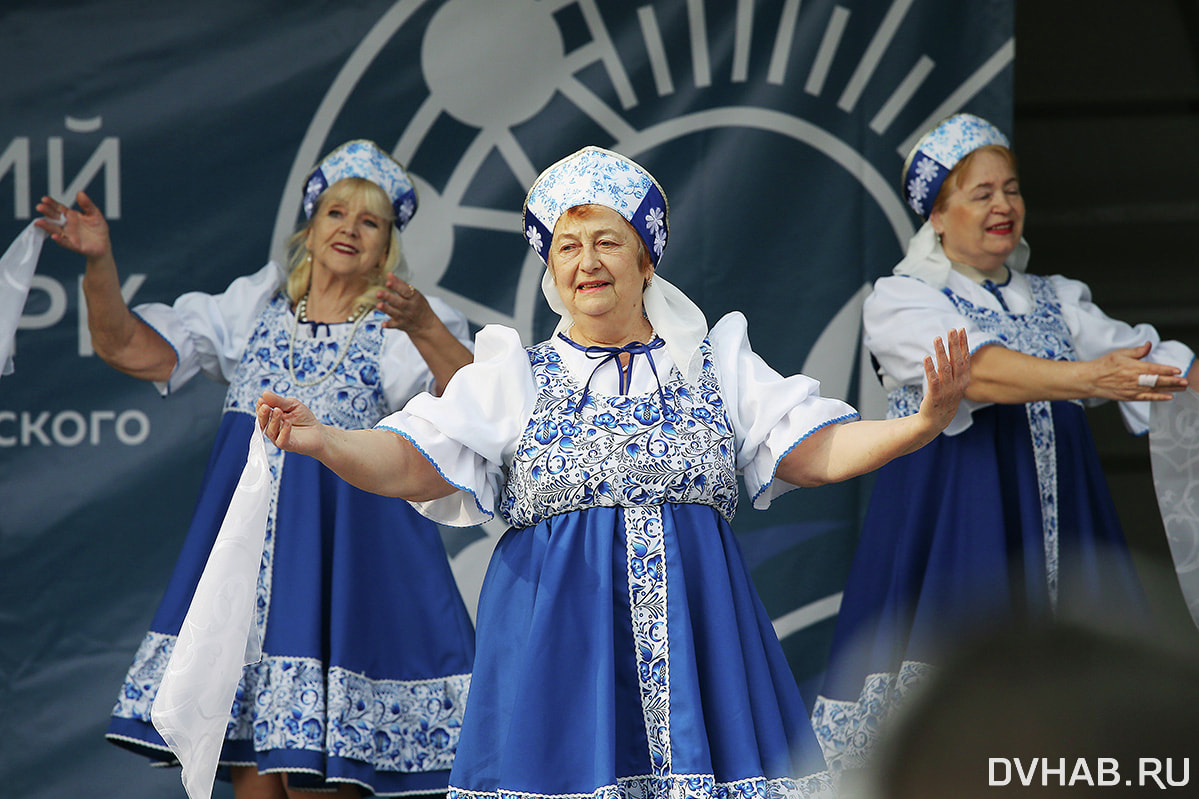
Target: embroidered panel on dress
[[1042, 333], [848, 729], [645, 550], [622, 451], [682, 786], [286, 703], [632, 453], [352, 398]]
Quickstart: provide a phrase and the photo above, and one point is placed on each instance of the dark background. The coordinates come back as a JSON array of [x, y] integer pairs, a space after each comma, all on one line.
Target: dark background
[[1106, 127]]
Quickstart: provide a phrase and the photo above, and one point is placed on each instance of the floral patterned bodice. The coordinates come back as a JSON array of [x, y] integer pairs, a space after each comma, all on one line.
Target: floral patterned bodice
[[675, 446], [1042, 333], [352, 398]]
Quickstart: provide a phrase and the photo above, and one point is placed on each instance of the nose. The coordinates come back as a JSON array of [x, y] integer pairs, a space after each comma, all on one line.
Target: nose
[[1003, 203], [589, 258]]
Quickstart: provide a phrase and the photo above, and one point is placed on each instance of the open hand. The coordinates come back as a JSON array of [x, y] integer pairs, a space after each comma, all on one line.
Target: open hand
[[1123, 375], [84, 231], [947, 380]]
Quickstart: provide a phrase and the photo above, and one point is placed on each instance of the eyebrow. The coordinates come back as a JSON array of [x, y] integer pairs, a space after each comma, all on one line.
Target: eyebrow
[[987, 184], [612, 231]]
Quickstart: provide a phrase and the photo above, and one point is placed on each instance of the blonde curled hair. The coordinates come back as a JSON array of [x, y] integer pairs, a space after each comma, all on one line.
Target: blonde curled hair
[[375, 200]]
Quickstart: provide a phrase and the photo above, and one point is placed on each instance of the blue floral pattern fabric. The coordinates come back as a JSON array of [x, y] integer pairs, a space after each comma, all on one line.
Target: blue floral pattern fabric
[[356, 403], [1041, 333], [595, 176], [397, 725], [297, 702], [632, 452], [620, 451], [938, 152], [848, 729], [643, 455], [363, 159]]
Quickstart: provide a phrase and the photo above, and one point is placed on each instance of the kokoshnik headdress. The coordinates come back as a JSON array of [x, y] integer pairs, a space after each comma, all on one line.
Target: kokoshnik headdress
[[927, 166], [595, 176], [362, 158], [937, 152]]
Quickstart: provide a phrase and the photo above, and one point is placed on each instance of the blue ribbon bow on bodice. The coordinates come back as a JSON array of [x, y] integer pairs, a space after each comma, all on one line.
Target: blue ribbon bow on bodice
[[606, 354], [993, 287]]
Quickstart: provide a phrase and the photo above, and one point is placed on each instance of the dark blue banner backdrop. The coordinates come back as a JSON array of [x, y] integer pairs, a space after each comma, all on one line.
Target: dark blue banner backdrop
[[777, 127]]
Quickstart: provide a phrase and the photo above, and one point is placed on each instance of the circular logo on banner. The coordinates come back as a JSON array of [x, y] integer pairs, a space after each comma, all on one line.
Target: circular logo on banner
[[764, 122]]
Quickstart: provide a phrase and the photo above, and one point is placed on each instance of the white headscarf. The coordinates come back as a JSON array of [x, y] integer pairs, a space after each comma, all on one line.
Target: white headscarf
[[675, 319], [927, 261]]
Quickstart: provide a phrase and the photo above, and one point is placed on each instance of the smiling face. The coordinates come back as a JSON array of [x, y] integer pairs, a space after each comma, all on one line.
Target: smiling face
[[349, 236], [982, 218], [600, 266]]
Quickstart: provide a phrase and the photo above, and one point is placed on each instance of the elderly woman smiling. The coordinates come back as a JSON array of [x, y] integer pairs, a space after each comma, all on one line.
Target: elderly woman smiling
[[356, 599], [622, 649], [1007, 516]]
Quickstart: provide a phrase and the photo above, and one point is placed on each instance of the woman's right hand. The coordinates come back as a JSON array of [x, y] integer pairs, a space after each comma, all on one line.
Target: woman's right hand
[[1122, 374], [289, 424], [84, 231]]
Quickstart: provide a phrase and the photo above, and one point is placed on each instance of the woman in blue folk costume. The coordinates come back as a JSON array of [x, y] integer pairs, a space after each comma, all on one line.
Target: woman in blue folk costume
[[1006, 518], [622, 648], [367, 645]]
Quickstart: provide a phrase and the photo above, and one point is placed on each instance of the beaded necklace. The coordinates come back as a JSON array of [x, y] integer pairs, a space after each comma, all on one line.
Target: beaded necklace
[[302, 314]]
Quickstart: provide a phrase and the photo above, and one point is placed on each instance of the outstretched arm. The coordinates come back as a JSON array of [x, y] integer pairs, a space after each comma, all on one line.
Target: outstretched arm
[[1002, 375], [121, 339], [378, 461], [842, 451]]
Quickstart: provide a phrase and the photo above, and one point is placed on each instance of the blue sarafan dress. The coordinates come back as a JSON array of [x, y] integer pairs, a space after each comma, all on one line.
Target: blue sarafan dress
[[622, 650], [367, 644], [1005, 518]]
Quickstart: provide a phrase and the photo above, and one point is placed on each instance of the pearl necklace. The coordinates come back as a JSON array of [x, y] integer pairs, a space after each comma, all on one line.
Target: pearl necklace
[[302, 313]]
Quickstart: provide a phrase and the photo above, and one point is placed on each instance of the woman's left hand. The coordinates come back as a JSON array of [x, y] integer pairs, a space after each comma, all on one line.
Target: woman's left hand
[[947, 380], [408, 308]]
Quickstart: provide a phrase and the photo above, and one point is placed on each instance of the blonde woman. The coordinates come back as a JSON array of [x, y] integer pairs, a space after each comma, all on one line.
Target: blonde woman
[[367, 645]]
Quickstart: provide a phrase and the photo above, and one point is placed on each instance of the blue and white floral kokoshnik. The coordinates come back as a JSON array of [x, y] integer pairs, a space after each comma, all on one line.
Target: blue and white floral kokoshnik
[[595, 176], [937, 152], [362, 158]]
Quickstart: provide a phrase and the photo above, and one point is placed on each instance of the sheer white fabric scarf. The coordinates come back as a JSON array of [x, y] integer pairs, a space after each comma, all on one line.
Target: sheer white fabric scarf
[[219, 635], [1174, 457], [16, 274]]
